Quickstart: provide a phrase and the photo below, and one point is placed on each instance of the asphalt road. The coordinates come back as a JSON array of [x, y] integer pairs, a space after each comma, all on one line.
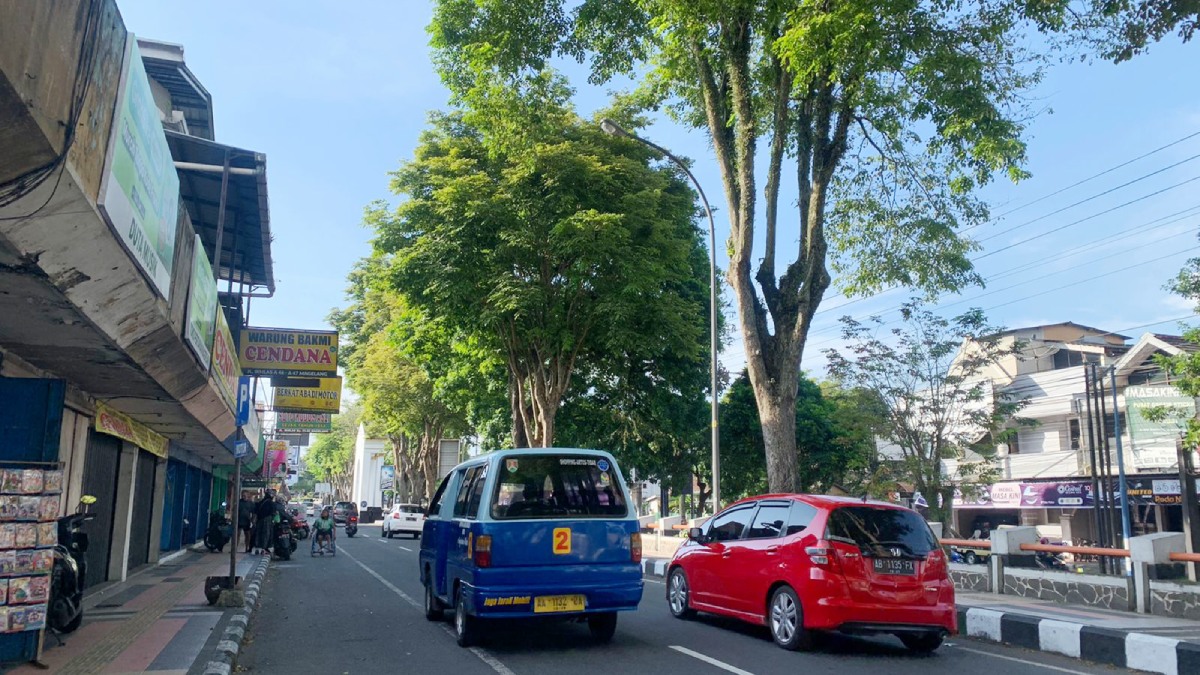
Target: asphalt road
[[360, 612]]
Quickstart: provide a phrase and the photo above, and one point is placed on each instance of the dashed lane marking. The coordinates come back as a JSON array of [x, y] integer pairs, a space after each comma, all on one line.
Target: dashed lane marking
[[1013, 658], [711, 661], [487, 658]]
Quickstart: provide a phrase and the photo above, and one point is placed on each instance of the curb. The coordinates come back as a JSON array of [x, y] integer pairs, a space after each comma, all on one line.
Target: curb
[[235, 630], [1123, 649]]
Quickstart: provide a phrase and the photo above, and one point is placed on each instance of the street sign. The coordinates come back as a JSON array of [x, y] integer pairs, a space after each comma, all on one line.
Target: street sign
[[243, 401], [241, 449], [253, 483]]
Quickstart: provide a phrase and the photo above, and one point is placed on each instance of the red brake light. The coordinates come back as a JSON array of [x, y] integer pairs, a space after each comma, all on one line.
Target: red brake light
[[354, 519], [483, 550], [635, 546]]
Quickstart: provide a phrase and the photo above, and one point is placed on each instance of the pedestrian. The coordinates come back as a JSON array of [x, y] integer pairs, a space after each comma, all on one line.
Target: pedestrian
[[246, 520], [264, 532]]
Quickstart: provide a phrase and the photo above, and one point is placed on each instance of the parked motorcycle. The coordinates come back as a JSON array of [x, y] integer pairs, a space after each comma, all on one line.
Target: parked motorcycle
[[285, 542], [351, 525], [68, 577], [219, 532], [300, 525]]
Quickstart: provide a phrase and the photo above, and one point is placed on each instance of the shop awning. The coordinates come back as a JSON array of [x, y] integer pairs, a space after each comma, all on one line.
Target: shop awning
[[246, 232]]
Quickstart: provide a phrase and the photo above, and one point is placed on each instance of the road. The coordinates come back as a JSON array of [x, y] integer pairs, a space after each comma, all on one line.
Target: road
[[360, 612]]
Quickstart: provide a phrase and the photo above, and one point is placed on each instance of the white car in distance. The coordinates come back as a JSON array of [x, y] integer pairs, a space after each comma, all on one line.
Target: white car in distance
[[404, 519]]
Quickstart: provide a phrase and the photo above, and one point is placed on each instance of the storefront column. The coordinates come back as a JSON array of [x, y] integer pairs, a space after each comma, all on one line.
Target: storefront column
[[156, 520], [1065, 519], [118, 556]]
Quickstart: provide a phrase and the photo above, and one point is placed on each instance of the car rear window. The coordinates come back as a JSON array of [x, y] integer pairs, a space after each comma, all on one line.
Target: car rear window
[[876, 531], [557, 486]]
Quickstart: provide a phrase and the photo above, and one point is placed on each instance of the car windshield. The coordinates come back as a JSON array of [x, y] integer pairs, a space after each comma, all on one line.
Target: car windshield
[[408, 508], [553, 486], [881, 531]]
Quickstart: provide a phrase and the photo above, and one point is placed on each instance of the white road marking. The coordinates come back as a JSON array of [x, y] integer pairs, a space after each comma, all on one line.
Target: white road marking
[[660, 583], [406, 549], [1025, 661], [711, 661], [487, 658]]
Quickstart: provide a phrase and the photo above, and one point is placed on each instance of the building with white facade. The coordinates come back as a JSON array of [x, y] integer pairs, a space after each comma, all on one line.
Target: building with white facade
[[369, 456]]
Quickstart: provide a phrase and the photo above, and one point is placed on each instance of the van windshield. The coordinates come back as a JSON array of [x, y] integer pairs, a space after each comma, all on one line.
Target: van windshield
[[554, 486], [881, 531]]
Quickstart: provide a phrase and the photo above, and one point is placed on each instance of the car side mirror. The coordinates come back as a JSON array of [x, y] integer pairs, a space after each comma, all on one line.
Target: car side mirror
[[696, 534]]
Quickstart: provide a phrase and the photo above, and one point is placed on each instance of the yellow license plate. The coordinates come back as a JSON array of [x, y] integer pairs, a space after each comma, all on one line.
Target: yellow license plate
[[558, 603]]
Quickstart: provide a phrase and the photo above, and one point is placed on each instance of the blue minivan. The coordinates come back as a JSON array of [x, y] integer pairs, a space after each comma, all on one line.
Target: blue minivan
[[545, 532]]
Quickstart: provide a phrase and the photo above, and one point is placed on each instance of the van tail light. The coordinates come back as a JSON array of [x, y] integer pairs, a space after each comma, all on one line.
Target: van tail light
[[635, 546], [483, 550]]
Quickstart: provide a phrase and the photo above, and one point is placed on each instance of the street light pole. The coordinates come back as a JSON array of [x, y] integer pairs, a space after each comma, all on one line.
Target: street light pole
[[614, 129]]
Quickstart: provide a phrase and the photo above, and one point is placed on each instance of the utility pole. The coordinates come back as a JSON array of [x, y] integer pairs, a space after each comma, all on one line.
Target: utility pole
[[1097, 509], [1191, 510], [1124, 492]]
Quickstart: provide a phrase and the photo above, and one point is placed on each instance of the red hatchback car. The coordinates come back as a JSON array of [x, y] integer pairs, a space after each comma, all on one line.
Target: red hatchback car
[[801, 564]]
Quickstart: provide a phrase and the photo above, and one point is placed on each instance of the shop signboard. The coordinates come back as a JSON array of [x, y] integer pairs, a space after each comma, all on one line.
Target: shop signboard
[[1070, 494], [201, 320], [325, 397], [116, 423], [1157, 416], [1058, 495], [276, 352], [139, 193], [276, 457], [225, 368], [316, 423]]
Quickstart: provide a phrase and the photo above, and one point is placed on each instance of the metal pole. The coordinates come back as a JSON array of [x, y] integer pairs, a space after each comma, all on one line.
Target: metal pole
[[221, 220], [1097, 510], [1107, 462], [1126, 529], [237, 486], [1191, 512], [611, 127]]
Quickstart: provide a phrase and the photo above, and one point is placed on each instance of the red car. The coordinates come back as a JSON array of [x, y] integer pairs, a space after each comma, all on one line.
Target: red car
[[802, 564]]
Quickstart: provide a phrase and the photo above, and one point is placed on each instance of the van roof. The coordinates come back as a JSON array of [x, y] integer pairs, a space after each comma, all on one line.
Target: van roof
[[527, 452]]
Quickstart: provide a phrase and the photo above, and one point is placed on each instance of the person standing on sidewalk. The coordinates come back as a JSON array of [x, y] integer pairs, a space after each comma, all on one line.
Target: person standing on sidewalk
[[246, 520], [264, 531]]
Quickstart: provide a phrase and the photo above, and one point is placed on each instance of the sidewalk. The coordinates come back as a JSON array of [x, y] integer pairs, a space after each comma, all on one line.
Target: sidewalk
[[157, 621], [1156, 644]]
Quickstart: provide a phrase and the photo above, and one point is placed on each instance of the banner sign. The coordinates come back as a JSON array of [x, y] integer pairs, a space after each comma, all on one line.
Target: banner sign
[[225, 368], [139, 194], [327, 397], [116, 423], [1072, 494], [201, 320], [266, 352], [387, 477], [276, 458], [1153, 442], [317, 423]]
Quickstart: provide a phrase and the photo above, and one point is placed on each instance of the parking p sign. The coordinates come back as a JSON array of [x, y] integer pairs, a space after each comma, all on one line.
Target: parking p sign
[[243, 401]]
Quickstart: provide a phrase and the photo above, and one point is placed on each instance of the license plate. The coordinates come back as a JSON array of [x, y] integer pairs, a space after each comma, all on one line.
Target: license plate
[[558, 603], [900, 566], [411, 520]]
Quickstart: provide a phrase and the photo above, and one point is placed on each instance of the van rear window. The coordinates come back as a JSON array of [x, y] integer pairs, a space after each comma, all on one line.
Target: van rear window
[[556, 486]]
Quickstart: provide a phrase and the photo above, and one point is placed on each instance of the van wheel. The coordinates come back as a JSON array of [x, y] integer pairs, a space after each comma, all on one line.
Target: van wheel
[[434, 609], [602, 626], [466, 627], [678, 595], [785, 617], [922, 644]]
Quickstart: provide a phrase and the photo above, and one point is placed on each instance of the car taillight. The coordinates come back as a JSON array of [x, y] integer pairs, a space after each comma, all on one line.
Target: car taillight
[[635, 546], [819, 555], [483, 550]]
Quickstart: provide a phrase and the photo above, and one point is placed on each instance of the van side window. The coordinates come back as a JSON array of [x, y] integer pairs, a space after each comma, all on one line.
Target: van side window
[[800, 517], [464, 492], [477, 493], [435, 506], [730, 524]]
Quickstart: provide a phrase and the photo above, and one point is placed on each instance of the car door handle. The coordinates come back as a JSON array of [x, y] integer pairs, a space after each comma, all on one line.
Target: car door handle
[[772, 550], [726, 553]]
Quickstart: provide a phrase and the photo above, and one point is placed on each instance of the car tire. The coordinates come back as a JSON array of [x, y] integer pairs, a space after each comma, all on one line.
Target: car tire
[[922, 644], [785, 618], [434, 609], [679, 595], [970, 558], [383, 532], [602, 626], [466, 626]]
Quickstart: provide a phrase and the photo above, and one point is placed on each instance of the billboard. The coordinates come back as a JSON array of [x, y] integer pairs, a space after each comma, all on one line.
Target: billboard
[[276, 458], [139, 193], [316, 423], [1157, 416], [116, 423], [267, 352], [326, 397], [225, 368], [387, 477], [200, 323]]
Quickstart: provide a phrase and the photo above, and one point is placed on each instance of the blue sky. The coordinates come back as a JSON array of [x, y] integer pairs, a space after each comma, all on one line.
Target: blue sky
[[336, 95]]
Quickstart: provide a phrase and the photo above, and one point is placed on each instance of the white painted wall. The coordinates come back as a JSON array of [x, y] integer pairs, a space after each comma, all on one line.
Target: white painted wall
[[369, 454]]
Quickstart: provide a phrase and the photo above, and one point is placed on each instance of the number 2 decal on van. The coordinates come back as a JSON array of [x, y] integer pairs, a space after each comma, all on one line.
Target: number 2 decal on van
[[562, 540]]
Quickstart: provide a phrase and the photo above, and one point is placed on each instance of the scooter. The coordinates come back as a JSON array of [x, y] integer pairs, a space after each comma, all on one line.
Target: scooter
[[219, 532], [351, 526], [69, 575], [300, 525], [285, 543]]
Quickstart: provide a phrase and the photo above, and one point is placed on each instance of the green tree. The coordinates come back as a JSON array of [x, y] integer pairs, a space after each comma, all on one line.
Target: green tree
[[331, 457], [834, 448], [889, 115], [931, 378], [1184, 368], [1120, 29], [554, 254]]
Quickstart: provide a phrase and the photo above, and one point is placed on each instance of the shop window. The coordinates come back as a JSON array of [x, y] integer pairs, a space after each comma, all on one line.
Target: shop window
[[1076, 438], [1067, 358]]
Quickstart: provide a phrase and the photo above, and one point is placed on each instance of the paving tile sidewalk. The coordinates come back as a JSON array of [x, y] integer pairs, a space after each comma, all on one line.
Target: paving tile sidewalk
[[157, 621], [1156, 644]]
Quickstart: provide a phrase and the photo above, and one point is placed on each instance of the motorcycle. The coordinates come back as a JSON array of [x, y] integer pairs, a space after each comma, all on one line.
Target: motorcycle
[[351, 526], [67, 579], [285, 543], [219, 532], [300, 525]]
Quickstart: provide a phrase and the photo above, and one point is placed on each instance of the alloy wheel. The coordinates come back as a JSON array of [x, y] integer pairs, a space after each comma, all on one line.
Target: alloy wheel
[[783, 617]]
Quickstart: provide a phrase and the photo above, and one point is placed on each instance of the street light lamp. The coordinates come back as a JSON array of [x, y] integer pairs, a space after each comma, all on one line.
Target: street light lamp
[[612, 128]]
